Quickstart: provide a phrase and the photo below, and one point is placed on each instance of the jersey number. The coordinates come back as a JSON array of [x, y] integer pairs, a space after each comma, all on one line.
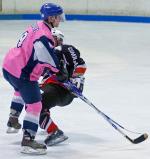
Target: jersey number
[[21, 40]]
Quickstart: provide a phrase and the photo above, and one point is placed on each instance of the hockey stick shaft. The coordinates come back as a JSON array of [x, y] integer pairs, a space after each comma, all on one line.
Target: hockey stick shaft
[[76, 92], [113, 123]]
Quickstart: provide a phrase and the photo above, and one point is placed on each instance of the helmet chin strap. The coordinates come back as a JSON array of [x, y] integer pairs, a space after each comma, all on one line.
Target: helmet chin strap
[[52, 24]]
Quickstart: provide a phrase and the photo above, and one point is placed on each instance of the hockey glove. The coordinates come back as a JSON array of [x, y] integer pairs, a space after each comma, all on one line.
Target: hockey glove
[[79, 82], [46, 74], [62, 75]]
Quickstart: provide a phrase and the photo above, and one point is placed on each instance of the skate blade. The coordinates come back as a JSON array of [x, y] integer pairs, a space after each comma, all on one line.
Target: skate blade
[[11, 130], [31, 151], [57, 141]]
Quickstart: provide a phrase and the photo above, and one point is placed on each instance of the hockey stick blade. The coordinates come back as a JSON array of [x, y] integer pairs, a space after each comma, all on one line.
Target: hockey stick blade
[[138, 140]]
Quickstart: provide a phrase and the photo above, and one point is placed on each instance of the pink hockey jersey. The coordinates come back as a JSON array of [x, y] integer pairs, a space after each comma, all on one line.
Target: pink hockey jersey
[[34, 52]]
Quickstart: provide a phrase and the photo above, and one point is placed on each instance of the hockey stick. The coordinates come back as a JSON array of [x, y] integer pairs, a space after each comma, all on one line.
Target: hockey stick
[[113, 123]]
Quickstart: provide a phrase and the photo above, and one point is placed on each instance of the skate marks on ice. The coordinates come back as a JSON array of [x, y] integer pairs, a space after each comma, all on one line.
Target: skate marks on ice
[[75, 138], [103, 144], [79, 145], [88, 146]]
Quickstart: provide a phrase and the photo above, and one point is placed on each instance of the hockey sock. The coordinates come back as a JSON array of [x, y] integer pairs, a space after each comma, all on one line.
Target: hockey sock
[[17, 105]]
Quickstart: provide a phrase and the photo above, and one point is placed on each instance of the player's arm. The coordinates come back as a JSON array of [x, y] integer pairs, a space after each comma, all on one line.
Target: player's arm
[[78, 74], [45, 54]]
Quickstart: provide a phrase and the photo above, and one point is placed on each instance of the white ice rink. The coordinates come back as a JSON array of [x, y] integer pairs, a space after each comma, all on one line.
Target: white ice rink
[[117, 82]]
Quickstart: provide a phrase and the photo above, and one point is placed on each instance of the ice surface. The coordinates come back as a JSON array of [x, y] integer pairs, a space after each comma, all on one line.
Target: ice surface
[[117, 82]]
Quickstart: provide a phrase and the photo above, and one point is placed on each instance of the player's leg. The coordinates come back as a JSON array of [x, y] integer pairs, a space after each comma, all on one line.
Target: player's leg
[[31, 95], [52, 96], [30, 92], [17, 105]]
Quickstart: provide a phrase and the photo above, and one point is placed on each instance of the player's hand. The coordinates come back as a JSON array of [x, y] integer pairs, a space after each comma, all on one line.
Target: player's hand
[[62, 75], [79, 82]]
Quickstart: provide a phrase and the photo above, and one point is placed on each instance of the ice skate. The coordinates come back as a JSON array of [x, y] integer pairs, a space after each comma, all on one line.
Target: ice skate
[[55, 138], [30, 146], [13, 125]]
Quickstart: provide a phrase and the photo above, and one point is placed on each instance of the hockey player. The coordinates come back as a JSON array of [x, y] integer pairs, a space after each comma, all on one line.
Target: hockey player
[[22, 67], [54, 93]]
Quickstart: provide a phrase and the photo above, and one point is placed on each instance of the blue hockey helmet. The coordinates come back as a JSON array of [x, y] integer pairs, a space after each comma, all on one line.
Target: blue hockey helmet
[[50, 9]]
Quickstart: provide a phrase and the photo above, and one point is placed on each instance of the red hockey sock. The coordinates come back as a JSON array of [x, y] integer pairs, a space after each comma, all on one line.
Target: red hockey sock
[[52, 128]]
